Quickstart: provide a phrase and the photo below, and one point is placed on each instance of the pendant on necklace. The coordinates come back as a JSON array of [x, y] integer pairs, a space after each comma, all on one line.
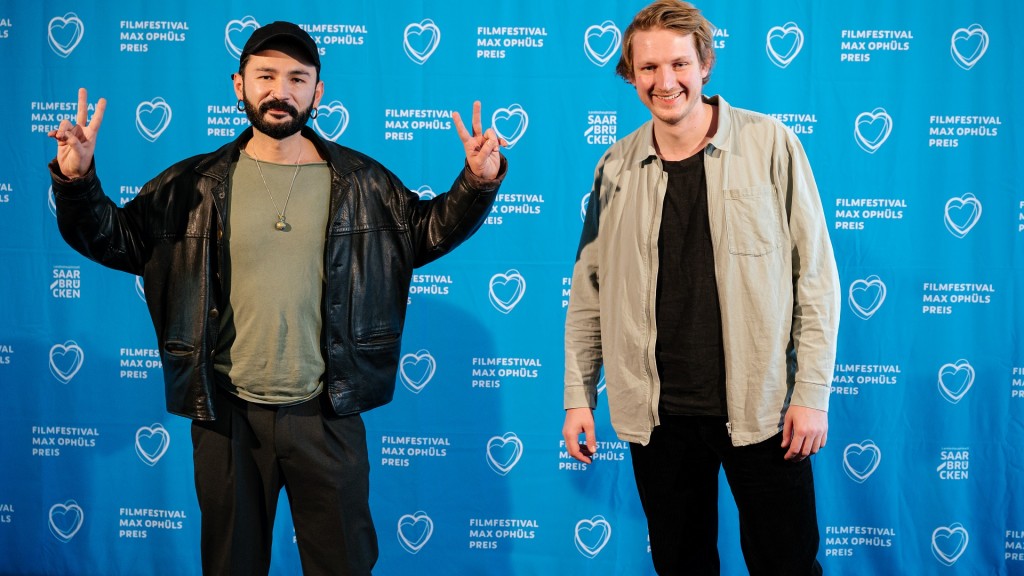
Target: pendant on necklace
[[281, 225]]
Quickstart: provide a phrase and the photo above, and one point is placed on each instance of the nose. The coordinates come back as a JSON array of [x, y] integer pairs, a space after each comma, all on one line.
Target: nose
[[279, 89], [664, 78]]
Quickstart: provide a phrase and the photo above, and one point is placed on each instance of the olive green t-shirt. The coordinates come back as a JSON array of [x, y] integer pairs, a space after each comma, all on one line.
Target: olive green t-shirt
[[269, 343]]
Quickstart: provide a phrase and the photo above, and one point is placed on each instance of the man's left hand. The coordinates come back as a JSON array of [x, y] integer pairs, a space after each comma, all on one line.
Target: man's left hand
[[483, 149], [804, 432]]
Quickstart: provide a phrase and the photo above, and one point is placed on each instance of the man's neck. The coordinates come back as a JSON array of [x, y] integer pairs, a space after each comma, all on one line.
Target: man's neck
[[680, 141], [291, 150]]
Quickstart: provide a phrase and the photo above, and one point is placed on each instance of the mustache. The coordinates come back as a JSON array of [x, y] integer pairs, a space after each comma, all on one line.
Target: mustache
[[278, 105]]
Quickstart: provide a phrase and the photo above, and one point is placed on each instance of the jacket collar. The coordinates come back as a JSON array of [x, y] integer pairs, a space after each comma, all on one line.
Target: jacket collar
[[723, 135], [342, 160], [722, 140]]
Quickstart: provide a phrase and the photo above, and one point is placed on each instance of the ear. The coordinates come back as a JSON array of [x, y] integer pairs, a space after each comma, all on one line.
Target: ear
[[318, 93], [237, 80]]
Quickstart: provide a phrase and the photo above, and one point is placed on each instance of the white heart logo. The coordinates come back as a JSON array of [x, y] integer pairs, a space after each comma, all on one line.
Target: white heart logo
[[601, 384], [962, 214], [152, 118], [510, 123], [872, 129], [331, 120], [968, 45], [504, 452], [414, 530], [955, 380], [866, 296], [51, 202], [592, 535], [151, 443], [784, 43], [140, 288], [425, 192], [63, 33], [66, 520], [601, 41], [949, 543], [506, 290], [861, 460], [235, 29], [66, 360], [420, 40], [416, 370]]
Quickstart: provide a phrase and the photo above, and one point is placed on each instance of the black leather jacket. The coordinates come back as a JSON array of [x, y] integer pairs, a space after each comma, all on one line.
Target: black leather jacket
[[377, 233]]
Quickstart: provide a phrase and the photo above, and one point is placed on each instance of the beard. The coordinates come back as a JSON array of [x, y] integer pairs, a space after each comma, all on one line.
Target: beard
[[276, 130]]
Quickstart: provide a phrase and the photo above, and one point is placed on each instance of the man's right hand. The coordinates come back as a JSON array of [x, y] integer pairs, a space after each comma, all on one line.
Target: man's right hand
[[580, 421], [76, 143]]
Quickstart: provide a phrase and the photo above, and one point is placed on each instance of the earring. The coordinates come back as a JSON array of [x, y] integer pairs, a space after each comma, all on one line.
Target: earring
[[240, 105], [314, 113]]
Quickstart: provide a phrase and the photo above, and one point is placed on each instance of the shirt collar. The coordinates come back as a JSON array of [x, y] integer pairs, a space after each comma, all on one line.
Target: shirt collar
[[721, 140]]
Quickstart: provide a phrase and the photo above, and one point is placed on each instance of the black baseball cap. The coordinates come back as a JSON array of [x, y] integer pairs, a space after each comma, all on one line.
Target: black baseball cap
[[282, 32]]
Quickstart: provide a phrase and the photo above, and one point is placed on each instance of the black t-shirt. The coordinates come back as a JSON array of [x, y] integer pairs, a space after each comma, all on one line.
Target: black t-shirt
[[689, 351]]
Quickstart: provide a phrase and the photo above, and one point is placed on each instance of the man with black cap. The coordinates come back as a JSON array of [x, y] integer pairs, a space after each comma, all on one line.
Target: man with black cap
[[277, 271]]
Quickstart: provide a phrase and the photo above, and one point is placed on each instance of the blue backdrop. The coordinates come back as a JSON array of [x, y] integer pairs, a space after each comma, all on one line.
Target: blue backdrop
[[908, 112]]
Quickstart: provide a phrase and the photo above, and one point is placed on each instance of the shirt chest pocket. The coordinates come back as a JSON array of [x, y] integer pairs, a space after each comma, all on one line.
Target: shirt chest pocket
[[752, 220]]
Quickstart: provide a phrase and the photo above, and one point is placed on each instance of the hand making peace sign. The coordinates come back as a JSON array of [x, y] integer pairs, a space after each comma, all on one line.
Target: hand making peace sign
[[483, 149], [76, 143]]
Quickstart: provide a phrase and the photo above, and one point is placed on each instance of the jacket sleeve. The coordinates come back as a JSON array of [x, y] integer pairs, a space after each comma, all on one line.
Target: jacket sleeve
[[441, 223], [583, 357], [816, 289], [94, 226]]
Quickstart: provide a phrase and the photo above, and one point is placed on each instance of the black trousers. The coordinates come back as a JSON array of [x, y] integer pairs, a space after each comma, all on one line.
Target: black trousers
[[677, 477], [244, 458]]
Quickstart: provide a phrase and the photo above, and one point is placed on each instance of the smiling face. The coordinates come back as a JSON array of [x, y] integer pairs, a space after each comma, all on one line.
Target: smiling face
[[668, 74], [279, 92]]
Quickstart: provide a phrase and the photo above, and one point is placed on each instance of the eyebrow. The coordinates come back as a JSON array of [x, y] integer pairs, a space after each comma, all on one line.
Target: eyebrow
[[294, 72], [655, 61]]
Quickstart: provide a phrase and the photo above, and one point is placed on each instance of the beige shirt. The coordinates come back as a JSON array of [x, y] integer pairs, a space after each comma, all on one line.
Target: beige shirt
[[269, 343], [776, 275]]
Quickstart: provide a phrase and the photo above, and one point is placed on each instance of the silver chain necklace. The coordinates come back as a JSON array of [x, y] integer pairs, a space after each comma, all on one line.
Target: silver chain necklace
[[281, 223]]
